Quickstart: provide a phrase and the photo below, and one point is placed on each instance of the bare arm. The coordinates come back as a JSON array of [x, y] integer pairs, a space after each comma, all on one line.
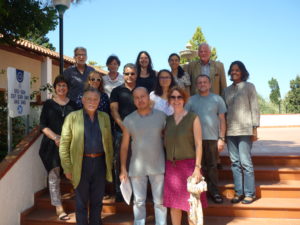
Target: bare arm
[[221, 143], [114, 108], [124, 154], [198, 145], [51, 135]]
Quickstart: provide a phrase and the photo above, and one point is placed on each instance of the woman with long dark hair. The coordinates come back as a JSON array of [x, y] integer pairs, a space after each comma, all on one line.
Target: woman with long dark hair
[[145, 73], [159, 97], [181, 77], [242, 122]]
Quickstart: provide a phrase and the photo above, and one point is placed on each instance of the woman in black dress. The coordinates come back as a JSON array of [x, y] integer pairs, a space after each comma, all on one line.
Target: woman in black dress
[[52, 117], [145, 74]]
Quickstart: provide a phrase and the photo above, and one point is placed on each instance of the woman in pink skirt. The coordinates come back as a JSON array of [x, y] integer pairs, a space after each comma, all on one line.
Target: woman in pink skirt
[[184, 151]]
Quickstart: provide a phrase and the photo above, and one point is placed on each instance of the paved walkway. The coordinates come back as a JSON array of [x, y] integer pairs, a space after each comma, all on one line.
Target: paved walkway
[[276, 141]]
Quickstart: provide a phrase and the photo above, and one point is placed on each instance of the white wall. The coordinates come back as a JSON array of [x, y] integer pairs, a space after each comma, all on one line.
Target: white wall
[[280, 120], [19, 184]]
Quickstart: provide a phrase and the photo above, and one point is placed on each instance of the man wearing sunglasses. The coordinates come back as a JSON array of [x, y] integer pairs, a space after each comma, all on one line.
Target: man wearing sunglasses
[[77, 74], [211, 109], [121, 105]]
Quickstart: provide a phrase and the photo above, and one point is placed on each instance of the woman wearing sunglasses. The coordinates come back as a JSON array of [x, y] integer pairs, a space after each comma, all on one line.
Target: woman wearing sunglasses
[[184, 152], [95, 80]]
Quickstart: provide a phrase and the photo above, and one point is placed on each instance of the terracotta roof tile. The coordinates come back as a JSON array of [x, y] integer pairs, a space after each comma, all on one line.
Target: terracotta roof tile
[[22, 43]]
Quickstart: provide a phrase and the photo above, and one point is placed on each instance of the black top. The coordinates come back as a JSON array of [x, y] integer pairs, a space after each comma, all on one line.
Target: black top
[[76, 80], [123, 96], [147, 82], [53, 116], [92, 135]]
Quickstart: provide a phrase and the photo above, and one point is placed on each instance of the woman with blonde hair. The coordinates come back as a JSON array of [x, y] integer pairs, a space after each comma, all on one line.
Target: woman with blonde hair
[[95, 80]]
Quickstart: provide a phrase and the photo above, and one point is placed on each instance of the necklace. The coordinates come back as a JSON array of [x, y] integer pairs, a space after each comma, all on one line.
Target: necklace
[[62, 109]]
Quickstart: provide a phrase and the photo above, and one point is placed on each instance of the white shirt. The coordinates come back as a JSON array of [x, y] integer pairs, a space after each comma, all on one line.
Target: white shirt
[[161, 104], [110, 84]]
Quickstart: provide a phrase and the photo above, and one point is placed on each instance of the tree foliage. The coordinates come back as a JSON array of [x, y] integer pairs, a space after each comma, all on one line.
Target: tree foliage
[[292, 99], [275, 96], [265, 106], [196, 40], [28, 19]]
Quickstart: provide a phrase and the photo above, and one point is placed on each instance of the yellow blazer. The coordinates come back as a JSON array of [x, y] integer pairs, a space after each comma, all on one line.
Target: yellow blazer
[[71, 146], [217, 76]]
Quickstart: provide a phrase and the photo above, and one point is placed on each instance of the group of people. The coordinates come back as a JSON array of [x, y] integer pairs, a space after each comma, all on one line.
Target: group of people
[[144, 125]]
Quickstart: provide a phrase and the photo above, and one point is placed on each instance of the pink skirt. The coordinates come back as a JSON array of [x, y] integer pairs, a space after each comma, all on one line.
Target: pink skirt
[[175, 185]]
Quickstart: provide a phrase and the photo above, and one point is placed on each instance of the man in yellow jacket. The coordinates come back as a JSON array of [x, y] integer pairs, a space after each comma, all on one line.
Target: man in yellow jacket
[[86, 156]]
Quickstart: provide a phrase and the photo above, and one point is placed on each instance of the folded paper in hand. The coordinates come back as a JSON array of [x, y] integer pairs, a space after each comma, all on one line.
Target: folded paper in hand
[[126, 190]]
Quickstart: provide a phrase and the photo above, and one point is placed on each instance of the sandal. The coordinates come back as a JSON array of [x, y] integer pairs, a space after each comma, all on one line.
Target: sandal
[[63, 216], [237, 199], [248, 200]]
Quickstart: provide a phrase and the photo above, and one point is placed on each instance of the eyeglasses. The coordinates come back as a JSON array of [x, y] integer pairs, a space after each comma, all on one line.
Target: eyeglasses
[[80, 55], [176, 97], [94, 79], [127, 74], [164, 78]]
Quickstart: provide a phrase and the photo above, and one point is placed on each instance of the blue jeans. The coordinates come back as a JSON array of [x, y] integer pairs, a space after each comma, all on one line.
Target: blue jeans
[[139, 189], [239, 148]]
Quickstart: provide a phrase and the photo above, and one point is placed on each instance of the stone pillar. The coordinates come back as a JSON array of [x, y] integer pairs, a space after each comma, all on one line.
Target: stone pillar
[[46, 76]]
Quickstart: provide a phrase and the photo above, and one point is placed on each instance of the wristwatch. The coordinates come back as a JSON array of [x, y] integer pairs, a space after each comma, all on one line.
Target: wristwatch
[[222, 138]]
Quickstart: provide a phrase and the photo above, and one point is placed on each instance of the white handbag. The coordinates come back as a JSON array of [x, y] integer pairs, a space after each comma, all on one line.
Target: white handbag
[[195, 189]]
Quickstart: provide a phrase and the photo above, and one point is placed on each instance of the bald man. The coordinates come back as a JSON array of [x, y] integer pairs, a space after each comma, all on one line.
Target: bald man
[[144, 128]]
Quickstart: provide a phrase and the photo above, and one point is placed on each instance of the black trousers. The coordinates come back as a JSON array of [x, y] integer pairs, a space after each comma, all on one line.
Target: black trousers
[[90, 191], [209, 165]]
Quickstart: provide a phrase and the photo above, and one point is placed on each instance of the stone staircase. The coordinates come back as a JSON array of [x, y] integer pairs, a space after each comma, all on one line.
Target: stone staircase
[[277, 186]]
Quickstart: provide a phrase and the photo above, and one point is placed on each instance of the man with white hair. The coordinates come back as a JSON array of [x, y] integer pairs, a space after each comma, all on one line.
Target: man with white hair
[[213, 69]]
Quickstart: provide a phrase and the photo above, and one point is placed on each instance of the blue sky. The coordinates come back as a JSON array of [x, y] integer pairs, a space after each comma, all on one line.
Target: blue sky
[[264, 34]]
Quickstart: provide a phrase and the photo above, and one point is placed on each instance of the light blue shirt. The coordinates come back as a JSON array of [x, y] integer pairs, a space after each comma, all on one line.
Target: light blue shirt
[[208, 108]]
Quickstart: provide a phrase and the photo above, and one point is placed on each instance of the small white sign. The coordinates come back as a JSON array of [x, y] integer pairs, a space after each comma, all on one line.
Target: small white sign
[[18, 92]]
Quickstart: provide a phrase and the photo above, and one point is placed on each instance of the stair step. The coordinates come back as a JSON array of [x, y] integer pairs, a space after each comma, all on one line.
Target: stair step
[[286, 160], [268, 173], [109, 205], [261, 208], [266, 189], [48, 217]]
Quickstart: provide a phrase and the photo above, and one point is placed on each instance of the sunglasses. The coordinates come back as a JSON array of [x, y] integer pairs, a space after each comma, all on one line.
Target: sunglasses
[[127, 74], [176, 97], [94, 79]]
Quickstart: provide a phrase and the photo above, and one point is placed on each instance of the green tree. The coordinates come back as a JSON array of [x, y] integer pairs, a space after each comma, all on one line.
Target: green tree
[[293, 96], [275, 96], [265, 106], [196, 40], [92, 63], [28, 19]]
